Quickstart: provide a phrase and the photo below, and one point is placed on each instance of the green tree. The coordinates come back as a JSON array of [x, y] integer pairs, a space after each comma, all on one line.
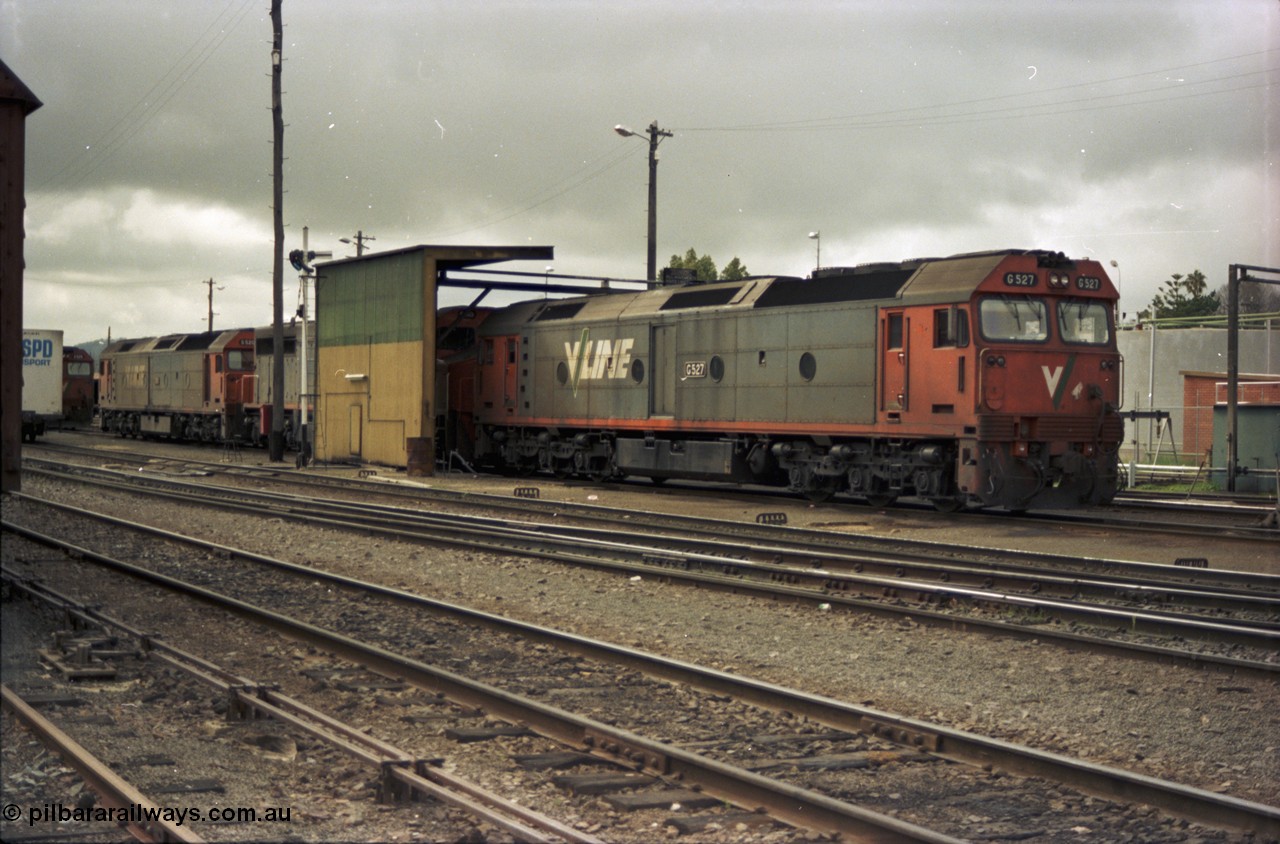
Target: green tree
[[1183, 296], [734, 270], [705, 269], [1255, 298]]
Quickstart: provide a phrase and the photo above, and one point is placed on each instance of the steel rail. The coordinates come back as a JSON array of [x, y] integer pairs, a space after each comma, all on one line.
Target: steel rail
[[1260, 634], [1129, 498], [959, 746], [400, 771], [903, 567], [535, 544], [773, 560], [958, 572], [1242, 532], [115, 793], [780, 800], [906, 551]]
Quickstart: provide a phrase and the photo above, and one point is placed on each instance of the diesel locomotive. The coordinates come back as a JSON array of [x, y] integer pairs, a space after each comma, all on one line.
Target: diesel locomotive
[[213, 386], [183, 386], [988, 379], [77, 386]]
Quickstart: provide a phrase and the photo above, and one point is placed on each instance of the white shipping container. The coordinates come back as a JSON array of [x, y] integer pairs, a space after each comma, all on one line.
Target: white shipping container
[[42, 372]]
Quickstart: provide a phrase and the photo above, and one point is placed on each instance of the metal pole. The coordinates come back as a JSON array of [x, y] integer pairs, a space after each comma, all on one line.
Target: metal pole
[[276, 440], [304, 452], [655, 137], [1233, 370], [652, 274], [1151, 389]]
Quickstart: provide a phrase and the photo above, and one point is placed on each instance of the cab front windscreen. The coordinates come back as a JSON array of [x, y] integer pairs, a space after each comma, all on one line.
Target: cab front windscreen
[[1026, 319], [1084, 321], [1017, 319]]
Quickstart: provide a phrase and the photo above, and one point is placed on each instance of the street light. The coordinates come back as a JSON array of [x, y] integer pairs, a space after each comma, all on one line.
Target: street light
[[655, 137], [818, 258], [359, 240]]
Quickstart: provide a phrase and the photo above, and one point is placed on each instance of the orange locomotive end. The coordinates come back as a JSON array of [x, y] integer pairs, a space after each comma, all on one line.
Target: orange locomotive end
[[1048, 377]]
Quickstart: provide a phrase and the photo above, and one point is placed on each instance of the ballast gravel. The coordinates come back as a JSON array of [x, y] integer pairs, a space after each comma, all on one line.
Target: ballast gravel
[[1202, 728]]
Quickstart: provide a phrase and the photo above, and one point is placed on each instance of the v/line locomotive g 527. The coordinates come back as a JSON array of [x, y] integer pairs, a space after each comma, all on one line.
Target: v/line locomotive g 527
[[985, 379], [213, 386]]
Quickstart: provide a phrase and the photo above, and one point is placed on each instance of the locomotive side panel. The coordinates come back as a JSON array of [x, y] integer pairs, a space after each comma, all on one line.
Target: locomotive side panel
[[709, 368], [760, 365], [831, 366], [934, 393], [132, 382], [177, 381], [581, 375]]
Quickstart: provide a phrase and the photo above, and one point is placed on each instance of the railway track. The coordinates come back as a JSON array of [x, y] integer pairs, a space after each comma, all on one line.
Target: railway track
[[1234, 520], [1230, 625], [528, 503], [400, 775], [904, 755]]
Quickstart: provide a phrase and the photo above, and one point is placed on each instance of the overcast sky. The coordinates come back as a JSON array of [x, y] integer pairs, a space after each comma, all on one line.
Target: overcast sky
[[1143, 133]]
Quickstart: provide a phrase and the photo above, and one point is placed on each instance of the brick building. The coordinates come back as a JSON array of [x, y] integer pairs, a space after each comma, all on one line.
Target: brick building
[[1202, 391]]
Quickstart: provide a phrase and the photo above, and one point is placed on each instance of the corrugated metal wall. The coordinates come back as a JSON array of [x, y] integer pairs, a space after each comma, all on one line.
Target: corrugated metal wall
[[371, 301]]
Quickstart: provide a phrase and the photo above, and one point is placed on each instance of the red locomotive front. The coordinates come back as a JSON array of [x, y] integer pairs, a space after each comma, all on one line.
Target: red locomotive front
[[1048, 385]]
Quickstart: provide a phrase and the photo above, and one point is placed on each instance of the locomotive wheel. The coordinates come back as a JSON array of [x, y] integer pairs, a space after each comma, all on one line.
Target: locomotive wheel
[[948, 505], [819, 494], [878, 493]]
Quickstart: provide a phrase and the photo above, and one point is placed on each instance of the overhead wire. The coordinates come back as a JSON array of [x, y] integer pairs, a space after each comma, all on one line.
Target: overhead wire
[[588, 172], [915, 114]]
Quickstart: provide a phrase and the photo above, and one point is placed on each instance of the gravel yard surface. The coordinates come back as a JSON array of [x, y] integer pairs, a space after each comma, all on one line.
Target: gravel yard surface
[[1204, 729]]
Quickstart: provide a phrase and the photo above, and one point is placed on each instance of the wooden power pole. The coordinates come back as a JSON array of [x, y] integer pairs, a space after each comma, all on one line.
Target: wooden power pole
[[210, 283], [275, 442]]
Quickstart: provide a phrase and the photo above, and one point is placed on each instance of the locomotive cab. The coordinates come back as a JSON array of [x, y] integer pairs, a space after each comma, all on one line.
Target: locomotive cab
[[1048, 386]]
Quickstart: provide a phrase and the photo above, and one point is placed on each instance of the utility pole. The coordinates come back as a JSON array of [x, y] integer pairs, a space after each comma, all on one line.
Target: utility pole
[[220, 287], [655, 137], [276, 441], [359, 240]]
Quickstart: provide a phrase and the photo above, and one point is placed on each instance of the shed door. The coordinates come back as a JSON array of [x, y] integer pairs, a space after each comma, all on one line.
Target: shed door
[[355, 416]]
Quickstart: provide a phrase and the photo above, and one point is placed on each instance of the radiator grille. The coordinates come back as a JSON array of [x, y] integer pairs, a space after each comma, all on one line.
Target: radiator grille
[[1051, 428]]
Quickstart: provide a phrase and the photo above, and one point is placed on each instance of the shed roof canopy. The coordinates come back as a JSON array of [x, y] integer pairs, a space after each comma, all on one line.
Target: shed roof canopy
[[460, 257]]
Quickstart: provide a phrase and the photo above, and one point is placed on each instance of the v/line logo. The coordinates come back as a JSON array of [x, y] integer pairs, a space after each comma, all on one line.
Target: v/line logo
[[1056, 380], [594, 360]]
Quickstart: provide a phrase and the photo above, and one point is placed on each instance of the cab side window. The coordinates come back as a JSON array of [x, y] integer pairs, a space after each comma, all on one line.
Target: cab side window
[[950, 328]]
